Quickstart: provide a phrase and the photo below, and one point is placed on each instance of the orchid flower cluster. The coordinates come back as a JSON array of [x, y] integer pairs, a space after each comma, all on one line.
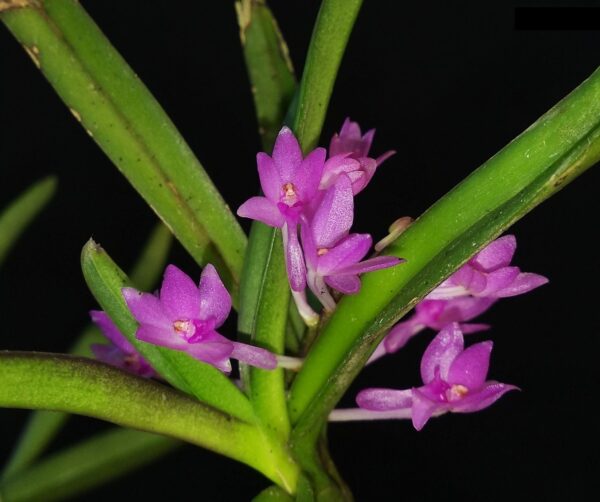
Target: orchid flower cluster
[[453, 377], [311, 199]]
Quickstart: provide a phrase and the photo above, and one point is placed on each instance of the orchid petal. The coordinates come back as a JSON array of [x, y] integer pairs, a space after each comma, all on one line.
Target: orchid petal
[[368, 166], [470, 367], [384, 156], [146, 308], [423, 409], [336, 146], [214, 349], [523, 283], [110, 331], [215, 354], [334, 217], [371, 265], [401, 333], [347, 252], [254, 356], [469, 328], [287, 154], [499, 279], [496, 254], [366, 142], [270, 181], [463, 277], [441, 352], [458, 309], [215, 300], [486, 396], [350, 130], [164, 337], [130, 362], [347, 284], [429, 311], [296, 267], [384, 399], [108, 354], [359, 181], [336, 165], [308, 176], [179, 295], [476, 282], [308, 245], [262, 209]]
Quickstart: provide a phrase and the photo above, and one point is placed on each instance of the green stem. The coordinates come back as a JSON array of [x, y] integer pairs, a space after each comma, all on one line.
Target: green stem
[[267, 388]]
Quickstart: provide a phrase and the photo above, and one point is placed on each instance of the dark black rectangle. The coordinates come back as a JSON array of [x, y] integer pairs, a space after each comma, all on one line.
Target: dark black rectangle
[[557, 18]]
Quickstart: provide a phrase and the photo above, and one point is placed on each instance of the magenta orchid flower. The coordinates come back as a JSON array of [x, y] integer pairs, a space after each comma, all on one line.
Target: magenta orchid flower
[[120, 353], [289, 183], [489, 274], [332, 254], [349, 154], [435, 314], [185, 317], [454, 381]]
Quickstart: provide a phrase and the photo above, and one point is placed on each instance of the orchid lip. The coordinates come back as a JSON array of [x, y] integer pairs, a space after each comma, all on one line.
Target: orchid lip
[[290, 196]]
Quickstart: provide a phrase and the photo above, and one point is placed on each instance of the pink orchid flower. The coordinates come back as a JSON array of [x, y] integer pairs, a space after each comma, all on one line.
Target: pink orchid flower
[[185, 317]]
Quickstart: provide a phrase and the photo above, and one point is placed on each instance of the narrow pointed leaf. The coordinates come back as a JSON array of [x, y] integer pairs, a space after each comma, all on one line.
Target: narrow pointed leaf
[[268, 329], [105, 280], [269, 66], [121, 115], [327, 45], [86, 387], [17, 216], [88, 464], [542, 160], [42, 426]]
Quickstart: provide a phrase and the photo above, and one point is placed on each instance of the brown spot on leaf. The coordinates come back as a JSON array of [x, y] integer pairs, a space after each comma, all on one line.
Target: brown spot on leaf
[[33, 53], [17, 4]]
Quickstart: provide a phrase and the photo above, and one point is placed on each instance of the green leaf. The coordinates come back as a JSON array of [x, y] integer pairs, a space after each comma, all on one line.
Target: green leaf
[[42, 426], [268, 329], [269, 67], [86, 387], [86, 465], [542, 160], [327, 45], [121, 115], [18, 215], [105, 280], [273, 494]]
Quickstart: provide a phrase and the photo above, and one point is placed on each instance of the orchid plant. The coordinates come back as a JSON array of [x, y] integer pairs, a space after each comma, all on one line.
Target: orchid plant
[[315, 301]]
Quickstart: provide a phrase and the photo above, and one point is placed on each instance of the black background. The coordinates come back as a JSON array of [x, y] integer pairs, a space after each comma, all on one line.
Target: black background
[[446, 84]]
